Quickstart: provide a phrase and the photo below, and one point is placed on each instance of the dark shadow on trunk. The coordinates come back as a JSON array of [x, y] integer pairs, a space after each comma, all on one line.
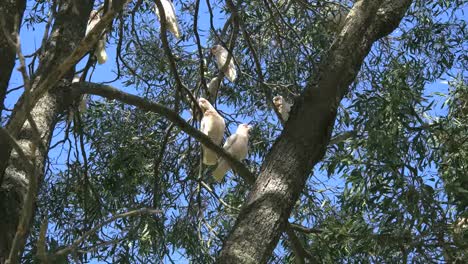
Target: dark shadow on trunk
[[306, 134]]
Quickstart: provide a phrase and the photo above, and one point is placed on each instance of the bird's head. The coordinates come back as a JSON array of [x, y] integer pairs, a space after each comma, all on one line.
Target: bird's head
[[278, 100], [243, 129], [204, 104], [216, 49]]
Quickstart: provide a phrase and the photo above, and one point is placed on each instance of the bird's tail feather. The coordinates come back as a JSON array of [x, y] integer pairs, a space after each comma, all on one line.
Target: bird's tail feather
[[231, 73], [176, 32], [220, 171], [209, 157], [174, 28], [101, 53]]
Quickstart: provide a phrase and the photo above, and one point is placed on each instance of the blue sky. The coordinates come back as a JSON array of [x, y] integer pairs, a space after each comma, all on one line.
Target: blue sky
[[31, 38]]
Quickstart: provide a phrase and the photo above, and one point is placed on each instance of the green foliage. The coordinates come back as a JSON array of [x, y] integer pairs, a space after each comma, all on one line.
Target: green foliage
[[389, 193]]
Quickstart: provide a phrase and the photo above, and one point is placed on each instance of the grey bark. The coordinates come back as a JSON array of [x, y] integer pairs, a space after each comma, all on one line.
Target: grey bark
[[68, 30], [11, 14], [306, 134], [60, 69]]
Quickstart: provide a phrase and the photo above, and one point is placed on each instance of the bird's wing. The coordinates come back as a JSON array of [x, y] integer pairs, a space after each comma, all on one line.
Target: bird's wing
[[229, 142], [203, 126]]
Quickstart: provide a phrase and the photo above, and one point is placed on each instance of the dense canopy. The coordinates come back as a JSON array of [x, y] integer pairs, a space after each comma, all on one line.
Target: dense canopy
[[369, 166]]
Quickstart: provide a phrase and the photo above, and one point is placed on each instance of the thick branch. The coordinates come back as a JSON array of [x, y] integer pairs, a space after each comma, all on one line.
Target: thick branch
[[112, 93], [58, 72]]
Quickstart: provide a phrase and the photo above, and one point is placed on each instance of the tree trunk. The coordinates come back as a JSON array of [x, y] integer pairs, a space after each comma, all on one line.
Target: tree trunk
[[11, 14], [69, 28], [306, 134]]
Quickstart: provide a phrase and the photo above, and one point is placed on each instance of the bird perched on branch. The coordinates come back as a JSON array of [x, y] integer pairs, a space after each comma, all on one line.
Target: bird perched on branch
[[282, 106], [212, 125], [100, 50], [221, 55], [171, 18], [237, 145]]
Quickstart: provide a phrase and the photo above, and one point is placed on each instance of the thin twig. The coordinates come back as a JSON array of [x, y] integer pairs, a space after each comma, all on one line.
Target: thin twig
[[298, 247], [58, 72], [181, 88], [77, 242], [41, 241], [112, 93]]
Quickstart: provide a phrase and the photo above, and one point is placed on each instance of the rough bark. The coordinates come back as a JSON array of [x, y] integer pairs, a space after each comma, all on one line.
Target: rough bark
[[56, 68], [68, 30], [11, 15], [306, 134]]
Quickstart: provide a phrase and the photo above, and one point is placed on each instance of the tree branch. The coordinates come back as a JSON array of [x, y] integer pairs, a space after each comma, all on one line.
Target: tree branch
[[342, 137], [172, 64], [17, 121], [305, 230], [110, 92], [300, 252], [19, 239], [78, 241], [304, 139]]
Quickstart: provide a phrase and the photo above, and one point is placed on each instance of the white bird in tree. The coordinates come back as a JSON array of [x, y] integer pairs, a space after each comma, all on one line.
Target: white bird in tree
[[212, 125], [282, 106], [171, 18], [100, 51], [237, 145], [221, 55]]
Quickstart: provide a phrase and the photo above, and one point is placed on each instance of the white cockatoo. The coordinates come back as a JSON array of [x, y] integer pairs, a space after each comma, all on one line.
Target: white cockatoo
[[171, 18], [282, 106], [212, 125], [221, 55], [100, 51], [238, 146]]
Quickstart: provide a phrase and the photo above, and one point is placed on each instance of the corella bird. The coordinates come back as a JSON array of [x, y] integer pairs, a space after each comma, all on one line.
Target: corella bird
[[282, 106], [171, 18], [221, 55], [212, 125], [237, 145], [100, 51]]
